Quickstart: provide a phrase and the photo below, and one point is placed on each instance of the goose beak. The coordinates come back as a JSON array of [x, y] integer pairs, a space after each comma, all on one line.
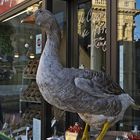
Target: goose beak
[[29, 19]]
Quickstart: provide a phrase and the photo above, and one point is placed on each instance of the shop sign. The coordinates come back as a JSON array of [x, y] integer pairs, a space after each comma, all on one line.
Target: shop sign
[[6, 5], [38, 43], [99, 28], [83, 20]]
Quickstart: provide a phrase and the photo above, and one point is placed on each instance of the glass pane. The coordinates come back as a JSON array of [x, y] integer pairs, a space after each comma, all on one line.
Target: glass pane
[[59, 9], [128, 40], [98, 35], [92, 34], [20, 49], [84, 33]]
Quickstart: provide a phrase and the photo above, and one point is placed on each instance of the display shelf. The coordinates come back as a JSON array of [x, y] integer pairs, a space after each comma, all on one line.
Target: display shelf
[[31, 68], [31, 93], [30, 98], [30, 77], [29, 101], [30, 113]]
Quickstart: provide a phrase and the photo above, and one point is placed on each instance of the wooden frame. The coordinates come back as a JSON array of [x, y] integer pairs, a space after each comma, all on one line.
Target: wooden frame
[[112, 53], [17, 8], [72, 36], [46, 116]]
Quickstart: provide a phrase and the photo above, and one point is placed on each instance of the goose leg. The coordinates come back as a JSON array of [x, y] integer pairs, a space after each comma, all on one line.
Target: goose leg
[[85, 133], [136, 107], [104, 130]]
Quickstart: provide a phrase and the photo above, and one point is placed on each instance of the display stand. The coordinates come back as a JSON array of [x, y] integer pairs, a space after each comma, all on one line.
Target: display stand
[[30, 100]]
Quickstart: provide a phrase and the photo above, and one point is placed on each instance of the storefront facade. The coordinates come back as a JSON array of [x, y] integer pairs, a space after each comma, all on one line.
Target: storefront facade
[[94, 36]]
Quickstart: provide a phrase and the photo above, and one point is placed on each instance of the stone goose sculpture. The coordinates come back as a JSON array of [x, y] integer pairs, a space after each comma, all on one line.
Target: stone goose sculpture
[[98, 100]]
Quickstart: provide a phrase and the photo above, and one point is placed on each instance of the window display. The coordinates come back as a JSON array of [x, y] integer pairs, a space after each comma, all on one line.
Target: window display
[[86, 43], [92, 34], [20, 49]]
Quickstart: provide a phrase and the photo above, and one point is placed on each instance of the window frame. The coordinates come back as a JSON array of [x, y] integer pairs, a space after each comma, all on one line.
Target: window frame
[[72, 50]]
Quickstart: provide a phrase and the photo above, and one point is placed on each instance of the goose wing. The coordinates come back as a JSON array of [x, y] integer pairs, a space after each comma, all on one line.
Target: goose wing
[[99, 84]]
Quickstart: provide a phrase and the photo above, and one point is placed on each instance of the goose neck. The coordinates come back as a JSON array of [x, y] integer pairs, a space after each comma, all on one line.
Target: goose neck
[[51, 50]]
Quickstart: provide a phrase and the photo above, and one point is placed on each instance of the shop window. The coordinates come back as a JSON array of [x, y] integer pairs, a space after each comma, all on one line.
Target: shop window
[[20, 49], [84, 33], [128, 40], [59, 10], [92, 34]]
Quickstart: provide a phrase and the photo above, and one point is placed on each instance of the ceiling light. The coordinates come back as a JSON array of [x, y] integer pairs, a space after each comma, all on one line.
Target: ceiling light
[[16, 55], [32, 56]]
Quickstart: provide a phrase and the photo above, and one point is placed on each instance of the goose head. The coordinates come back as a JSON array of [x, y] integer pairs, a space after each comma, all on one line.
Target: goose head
[[45, 19]]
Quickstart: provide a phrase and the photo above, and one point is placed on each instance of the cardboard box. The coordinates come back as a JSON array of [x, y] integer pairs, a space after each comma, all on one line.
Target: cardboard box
[[71, 135]]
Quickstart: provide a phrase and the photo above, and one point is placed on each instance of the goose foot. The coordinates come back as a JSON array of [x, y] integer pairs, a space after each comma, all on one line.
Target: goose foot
[[136, 107], [85, 135], [104, 130]]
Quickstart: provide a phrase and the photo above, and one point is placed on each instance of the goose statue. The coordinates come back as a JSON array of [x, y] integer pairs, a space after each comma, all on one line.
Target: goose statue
[[98, 100]]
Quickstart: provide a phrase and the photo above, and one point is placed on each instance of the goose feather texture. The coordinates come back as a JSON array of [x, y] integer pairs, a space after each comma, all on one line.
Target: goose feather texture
[[87, 92]]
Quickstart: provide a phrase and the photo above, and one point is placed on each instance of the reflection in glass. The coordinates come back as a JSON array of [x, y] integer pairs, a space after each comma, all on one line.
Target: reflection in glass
[[98, 33], [128, 36], [59, 10], [92, 34], [84, 33], [17, 46]]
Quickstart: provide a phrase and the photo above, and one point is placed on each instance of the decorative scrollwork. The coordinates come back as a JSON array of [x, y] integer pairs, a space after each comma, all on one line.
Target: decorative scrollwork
[[100, 30]]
